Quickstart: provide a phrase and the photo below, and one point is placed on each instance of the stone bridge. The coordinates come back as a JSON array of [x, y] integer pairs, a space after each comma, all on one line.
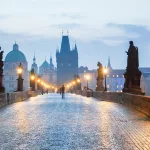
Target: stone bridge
[[46, 122]]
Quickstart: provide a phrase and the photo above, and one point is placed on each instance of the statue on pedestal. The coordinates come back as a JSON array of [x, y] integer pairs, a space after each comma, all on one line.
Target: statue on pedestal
[[133, 74], [2, 89], [100, 78]]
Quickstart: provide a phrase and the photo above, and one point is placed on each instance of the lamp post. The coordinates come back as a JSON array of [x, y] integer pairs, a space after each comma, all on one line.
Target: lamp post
[[105, 73], [87, 77], [38, 83], [20, 79], [32, 80]]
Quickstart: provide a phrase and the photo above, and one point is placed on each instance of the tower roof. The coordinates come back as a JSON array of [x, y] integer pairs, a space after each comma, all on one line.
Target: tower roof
[[65, 44], [45, 64]]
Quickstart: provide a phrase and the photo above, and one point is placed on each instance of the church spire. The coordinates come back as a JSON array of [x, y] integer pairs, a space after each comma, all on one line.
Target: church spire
[[75, 46], [34, 59], [109, 64], [51, 60], [34, 65]]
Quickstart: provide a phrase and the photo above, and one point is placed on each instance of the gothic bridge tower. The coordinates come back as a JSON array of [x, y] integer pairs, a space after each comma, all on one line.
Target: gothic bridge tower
[[67, 62]]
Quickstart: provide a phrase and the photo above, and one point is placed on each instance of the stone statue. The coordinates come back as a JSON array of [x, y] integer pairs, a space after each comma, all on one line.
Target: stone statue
[[132, 75], [133, 61], [2, 89], [100, 77]]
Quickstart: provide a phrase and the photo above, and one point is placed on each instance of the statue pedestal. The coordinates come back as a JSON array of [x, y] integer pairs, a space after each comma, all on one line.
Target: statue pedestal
[[100, 86], [2, 89], [133, 91], [20, 84], [132, 83]]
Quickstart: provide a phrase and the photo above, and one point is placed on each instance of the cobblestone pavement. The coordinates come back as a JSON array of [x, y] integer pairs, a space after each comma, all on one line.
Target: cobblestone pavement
[[74, 123]]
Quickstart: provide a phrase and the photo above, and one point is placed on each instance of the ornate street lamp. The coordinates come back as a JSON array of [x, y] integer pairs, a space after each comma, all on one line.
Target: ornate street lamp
[[32, 80], [105, 74], [20, 79]]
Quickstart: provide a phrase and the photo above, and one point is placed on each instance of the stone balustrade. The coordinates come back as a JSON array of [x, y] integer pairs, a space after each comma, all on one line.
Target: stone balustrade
[[9, 98], [138, 102]]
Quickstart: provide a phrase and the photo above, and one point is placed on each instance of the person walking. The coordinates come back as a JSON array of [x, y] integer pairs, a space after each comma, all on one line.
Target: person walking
[[63, 91], [60, 91]]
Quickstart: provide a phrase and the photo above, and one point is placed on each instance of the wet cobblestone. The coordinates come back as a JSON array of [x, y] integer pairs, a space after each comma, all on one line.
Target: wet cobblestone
[[75, 123]]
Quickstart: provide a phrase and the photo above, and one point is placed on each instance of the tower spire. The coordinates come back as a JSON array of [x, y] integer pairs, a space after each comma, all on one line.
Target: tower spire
[[109, 64], [51, 60], [34, 59]]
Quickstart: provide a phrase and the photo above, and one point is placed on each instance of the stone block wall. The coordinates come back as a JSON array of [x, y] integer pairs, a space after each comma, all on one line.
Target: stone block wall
[[9, 98], [3, 100], [138, 102]]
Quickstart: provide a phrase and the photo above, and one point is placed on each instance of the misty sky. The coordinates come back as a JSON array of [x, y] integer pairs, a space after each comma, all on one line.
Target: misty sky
[[101, 28]]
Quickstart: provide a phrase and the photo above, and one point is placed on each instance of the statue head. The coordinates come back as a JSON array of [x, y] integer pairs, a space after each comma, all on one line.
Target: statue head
[[99, 64], [131, 43]]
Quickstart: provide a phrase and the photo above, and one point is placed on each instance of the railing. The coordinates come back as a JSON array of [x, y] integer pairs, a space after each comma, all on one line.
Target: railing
[[13, 97], [138, 102], [89, 91]]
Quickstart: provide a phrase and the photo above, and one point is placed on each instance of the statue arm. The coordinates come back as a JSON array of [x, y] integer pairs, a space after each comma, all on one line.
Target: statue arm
[[127, 52]]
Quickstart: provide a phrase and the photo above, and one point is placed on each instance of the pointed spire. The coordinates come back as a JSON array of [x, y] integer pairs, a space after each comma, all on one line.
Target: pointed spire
[[75, 46], [34, 59], [109, 64], [51, 58]]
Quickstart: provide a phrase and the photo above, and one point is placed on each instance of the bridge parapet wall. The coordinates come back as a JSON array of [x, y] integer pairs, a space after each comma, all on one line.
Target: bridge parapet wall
[[9, 98], [138, 102]]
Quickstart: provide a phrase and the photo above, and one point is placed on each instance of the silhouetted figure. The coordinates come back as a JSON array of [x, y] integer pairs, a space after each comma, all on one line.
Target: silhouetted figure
[[132, 75], [42, 91], [60, 91], [63, 91]]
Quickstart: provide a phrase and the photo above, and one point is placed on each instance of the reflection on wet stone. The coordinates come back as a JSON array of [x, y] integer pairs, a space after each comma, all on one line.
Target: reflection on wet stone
[[74, 123]]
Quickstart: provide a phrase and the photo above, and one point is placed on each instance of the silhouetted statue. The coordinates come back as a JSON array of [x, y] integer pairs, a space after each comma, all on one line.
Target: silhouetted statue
[[2, 89], [132, 75], [133, 60], [100, 78]]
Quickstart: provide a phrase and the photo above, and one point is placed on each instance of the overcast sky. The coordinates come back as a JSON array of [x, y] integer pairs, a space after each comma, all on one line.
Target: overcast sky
[[101, 28]]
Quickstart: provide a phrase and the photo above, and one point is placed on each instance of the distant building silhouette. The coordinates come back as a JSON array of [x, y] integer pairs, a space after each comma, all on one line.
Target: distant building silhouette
[[48, 72], [12, 60], [67, 62], [115, 78]]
